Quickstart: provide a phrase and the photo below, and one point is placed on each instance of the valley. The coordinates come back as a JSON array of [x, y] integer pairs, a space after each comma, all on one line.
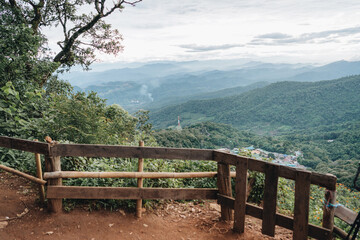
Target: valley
[[281, 108]]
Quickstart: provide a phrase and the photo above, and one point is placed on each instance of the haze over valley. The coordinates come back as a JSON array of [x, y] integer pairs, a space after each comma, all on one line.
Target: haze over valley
[[159, 84]]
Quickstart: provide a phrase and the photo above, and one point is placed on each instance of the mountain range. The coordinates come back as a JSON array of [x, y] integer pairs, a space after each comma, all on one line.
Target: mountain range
[[278, 106], [159, 84]]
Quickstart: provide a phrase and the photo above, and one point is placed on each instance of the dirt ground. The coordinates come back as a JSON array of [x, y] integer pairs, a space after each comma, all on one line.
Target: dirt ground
[[21, 217]]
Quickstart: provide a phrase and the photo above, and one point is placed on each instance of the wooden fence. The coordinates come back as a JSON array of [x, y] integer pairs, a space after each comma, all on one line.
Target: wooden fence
[[223, 193]]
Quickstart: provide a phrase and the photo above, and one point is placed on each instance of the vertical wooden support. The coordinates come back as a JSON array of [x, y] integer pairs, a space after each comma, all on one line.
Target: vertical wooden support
[[52, 164], [140, 182], [240, 198], [270, 197], [39, 175], [329, 210], [224, 188], [301, 210]]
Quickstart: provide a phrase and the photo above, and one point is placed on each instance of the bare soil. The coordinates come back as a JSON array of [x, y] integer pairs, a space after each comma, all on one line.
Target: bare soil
[[22, 217]]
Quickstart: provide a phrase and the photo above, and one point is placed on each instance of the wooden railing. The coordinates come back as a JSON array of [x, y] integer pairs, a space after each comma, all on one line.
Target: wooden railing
[[223, 193]]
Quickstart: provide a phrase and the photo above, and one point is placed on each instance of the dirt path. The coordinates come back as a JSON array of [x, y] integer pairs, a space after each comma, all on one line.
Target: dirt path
[[183, 221]]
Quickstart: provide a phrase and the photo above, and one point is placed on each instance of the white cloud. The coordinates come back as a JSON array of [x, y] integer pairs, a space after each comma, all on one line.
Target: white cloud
[[206, 48], [188, 29]]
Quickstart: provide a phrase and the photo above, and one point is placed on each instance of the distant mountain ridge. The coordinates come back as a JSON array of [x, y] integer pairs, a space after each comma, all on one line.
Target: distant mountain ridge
[[159, 84], [278, 105]]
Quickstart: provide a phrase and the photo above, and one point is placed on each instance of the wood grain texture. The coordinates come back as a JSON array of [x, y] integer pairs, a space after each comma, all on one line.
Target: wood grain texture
[[301, 208], [58, 192], [24, 145], [74, 174], [39, 175], [329, 211], [345, 214], [324, 180], [54, 163], [87, 150], [270, 199], [341, 233], [240, 198], [140, 182], [224, 186], [24, 175], [281, 220]]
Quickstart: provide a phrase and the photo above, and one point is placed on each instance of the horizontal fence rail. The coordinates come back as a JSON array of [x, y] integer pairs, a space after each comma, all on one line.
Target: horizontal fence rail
[[24, 145], [24, 175], [130, 193], [84, 150], [324, 180], [299, 223], [72, 174], [281, 220]]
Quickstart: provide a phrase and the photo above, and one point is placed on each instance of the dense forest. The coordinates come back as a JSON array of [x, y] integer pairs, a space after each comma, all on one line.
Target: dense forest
[[319, 153], [277, 107]]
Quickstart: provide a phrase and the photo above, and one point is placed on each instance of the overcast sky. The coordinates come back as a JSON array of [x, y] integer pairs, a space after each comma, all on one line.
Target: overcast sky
[[309, 31]]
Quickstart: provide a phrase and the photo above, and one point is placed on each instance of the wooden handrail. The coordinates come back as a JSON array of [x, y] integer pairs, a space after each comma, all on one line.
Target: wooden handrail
[[24, 145], [74, 174], [324, 180], [95, 150]]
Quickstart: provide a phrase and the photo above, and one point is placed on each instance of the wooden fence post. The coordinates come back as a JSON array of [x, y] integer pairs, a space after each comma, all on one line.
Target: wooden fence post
[[329, 210], [39, 175], [224, 188], [240, 198], [53, 164], [301, 209], [270, 197], [140, 182]]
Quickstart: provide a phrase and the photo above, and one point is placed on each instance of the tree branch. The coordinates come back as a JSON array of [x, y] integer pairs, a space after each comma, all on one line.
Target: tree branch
[[70, 42]]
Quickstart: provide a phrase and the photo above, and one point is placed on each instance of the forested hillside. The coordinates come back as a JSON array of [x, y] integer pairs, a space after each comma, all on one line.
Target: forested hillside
[[325, 150], [279, 106], [160, 84]]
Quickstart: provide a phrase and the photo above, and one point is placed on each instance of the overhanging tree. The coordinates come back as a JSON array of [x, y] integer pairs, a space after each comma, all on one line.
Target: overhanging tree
[[84, 30]]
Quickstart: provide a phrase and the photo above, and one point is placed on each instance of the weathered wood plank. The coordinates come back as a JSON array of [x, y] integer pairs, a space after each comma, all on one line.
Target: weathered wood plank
[[324, 180], [58, 192], [140, 182], [341, 233], [224, 186], [301, 208], [329, 211], [39, 175], [87, 150], [281, 220], [225, 200], [53, 163], [240, 198], [345, 214], [270, 199], [24, 175], [74, 174], [313, 230], [24, 145]]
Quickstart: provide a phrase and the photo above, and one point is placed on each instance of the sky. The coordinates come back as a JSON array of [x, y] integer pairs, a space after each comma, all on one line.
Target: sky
[[301, 31]]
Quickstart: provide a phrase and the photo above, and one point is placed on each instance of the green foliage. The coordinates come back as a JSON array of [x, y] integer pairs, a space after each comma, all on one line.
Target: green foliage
[[77, 19], [318, 153], [85, 118], [344, 170], [18, 111], [277, 107], [257, 181], [20, 49]]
